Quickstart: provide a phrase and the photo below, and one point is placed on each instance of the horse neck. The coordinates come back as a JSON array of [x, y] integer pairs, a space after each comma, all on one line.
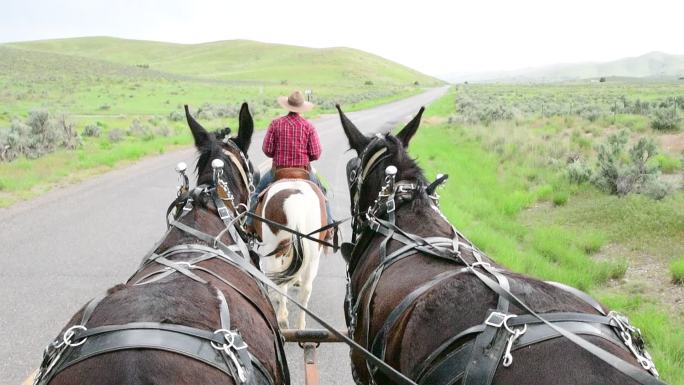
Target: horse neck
[[423, 219]]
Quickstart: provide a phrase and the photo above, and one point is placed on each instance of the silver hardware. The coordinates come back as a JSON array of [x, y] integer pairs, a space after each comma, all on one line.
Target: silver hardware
[[496, 319], [181, 167], [631, 337], [69, 334], [515, 334], [223, 212], [390, 206], [228, 348], [217, 163], [391, 170]]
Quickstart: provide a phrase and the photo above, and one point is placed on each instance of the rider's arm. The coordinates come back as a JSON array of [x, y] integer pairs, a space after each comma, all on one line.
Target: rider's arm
[[269, 142], [313, 146]]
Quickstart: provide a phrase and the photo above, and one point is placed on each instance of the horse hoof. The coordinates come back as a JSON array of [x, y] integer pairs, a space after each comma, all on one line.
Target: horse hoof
[[284, 324]]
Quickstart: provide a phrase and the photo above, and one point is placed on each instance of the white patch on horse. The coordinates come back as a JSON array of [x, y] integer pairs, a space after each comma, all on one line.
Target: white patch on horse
[[303, 213]]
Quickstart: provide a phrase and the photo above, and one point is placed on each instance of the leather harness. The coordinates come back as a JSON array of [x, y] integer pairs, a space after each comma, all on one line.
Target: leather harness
[[223, 349], [473, 356]]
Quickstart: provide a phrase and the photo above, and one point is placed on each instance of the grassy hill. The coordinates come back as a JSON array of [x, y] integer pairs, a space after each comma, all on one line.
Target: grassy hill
[[239, 60], [653, 65], [124, 98]]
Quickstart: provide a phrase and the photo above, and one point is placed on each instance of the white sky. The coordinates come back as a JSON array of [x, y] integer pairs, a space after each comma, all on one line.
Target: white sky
[[436, 37]]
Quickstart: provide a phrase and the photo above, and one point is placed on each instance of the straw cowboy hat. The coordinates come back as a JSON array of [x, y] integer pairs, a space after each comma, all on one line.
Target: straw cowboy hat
[[295, 102]]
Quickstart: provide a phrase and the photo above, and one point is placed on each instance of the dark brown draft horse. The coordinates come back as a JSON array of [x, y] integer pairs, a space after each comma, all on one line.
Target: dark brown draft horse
[[190, 314], [429, 303]]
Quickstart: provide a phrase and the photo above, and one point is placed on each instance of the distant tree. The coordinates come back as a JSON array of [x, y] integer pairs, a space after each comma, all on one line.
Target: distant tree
[[416, 83], [368, 83], [602, 79]]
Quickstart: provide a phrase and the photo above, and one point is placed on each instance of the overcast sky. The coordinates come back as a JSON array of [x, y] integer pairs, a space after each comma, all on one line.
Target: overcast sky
[[436, 37]]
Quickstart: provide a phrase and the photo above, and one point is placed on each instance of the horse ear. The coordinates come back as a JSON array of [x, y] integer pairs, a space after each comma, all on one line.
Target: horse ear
[[244, 138], [407, 132], [200, 135], [357, 140]]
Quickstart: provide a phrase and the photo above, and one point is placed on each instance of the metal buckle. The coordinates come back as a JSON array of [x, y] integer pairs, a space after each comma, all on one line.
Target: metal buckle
[[223, 212], [496, 319], [391, 206]]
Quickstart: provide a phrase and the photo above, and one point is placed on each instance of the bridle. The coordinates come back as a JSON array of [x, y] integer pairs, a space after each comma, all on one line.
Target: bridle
[[223, 197], [481, 347]]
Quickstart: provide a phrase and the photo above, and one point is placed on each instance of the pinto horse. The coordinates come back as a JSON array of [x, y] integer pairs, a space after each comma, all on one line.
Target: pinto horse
[[190, 314], [425, 300], [295, 202]]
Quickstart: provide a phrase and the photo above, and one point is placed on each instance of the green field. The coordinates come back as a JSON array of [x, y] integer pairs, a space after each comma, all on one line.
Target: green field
[[137, 89], [510, 193]]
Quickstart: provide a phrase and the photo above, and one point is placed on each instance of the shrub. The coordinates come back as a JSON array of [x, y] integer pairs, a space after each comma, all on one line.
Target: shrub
[[664, 118], [619, 174], [41, 134], [163, 131], [176, 116], [677, 270], [115, 135], [105, 107], [92, 130], [578, 172], [655, 188], [139, 130], [368, 83]]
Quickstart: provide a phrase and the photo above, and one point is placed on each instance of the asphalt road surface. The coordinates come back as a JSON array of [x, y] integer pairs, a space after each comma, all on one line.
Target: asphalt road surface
[[59, 250]]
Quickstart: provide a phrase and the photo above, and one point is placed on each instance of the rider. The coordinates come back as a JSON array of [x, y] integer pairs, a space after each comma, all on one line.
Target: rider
[[291, 141]]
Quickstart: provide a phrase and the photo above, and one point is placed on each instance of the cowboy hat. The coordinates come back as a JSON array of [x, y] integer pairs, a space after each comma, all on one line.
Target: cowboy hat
[[295, 102]]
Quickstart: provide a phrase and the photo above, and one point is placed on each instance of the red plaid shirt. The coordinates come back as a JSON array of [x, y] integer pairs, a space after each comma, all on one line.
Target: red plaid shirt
[[291, 141]]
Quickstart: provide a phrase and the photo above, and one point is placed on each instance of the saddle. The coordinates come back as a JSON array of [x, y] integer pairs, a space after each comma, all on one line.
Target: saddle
[[290, 173]]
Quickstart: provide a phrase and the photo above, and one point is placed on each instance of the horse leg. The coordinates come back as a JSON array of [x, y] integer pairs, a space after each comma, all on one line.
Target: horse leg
[[307, 278], [282, 308]]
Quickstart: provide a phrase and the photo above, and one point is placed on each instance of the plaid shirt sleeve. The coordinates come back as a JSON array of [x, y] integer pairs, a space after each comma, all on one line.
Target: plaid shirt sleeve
[[269, 142], [313, 146]]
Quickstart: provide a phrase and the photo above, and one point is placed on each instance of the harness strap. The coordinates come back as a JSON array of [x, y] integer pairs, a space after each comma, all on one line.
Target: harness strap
[[451, 367], [489, 345], [392, 373], [190, 342], [607, 357], [209, 253]]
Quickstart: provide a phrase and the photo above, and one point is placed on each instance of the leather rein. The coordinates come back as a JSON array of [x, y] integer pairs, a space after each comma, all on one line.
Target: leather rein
[[473, 355]]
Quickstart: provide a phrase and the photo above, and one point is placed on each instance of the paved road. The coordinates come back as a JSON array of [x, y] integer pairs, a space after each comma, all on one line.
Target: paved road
[[61, 249]]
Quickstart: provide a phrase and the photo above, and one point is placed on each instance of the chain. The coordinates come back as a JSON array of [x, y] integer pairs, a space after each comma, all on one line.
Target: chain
[[632, 338]]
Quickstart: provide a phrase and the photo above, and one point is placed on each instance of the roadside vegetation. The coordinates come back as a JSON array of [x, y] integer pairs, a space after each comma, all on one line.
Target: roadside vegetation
[[577, 193], [75, 107]]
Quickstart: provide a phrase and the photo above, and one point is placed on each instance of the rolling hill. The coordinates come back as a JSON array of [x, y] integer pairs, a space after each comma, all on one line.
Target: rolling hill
[[653, 65], [238, 60]]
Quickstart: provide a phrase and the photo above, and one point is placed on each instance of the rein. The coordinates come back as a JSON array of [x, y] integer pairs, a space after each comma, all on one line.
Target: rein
[[477, 359]]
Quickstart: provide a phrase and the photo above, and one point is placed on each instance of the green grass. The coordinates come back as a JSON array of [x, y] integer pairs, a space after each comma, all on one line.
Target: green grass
[[99, 81], [508, 193], [668, 164], [677, 271]]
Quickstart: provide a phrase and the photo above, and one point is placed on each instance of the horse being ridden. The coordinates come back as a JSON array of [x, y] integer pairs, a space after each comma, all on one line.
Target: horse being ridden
[[191, 314], [294, 199], [425, 300]]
